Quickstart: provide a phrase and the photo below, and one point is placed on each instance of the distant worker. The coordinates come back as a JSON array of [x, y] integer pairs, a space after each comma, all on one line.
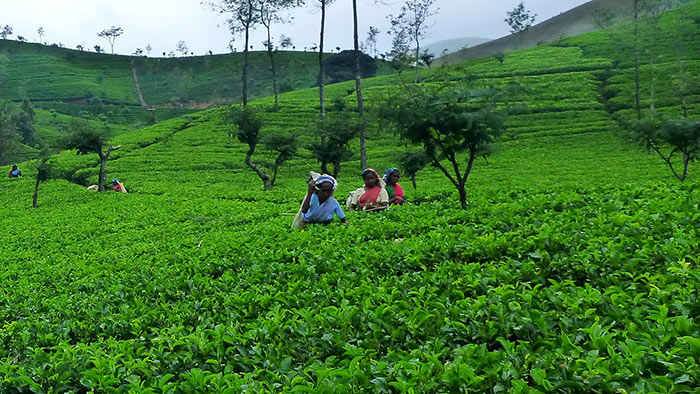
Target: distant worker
[[15, 172], [372, 196], [118, 187], [319, 206], [393, 189]]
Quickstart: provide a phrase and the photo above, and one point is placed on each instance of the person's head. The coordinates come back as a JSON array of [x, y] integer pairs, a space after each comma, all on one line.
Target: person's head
[[115, 181], [14, 167], [392, 176], [371, 178], [325, 186]]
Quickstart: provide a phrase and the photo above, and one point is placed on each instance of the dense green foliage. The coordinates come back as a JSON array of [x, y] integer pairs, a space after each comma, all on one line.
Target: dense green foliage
[[574, 270]]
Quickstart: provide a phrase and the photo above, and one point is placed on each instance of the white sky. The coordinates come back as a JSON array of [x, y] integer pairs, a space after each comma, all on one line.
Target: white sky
[[163, 23]]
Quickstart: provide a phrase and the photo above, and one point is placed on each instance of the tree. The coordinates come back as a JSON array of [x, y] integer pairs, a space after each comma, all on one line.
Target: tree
[[21, 39], [5, 31], [654, 10], [341, 67], [86, 139], [182, 48], [111, 35], [248, 126], [286, 42], [149, 48], [269, 14], [337, 130], [358, 86], [678, 136], [24, 119], [411, 162], [448, 123], [40, 31], [243, 16], [80, 47], [427, 58], [98, 49], [43, 173], [520, 19], [371, 41], [285, 146], [8, 133], [500, 57], [322, 4], [412, 21]]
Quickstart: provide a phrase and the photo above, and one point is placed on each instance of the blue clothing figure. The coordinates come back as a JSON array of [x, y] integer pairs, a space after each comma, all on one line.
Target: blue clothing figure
[[15, 172], [319, 206], [323, 213]]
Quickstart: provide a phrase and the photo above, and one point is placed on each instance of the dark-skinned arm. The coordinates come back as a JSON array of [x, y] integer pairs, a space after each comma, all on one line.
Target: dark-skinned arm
[[307, 200]]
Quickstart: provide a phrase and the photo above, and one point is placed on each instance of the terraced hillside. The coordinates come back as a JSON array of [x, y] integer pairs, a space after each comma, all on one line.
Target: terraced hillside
[[574, 270]]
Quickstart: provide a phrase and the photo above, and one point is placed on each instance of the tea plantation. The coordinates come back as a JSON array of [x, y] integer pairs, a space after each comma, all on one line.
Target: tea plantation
[[574, 269]]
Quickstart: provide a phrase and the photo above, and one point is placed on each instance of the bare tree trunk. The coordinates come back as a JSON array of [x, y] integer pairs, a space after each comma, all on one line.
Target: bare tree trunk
[[686, 160], [244, 76], [637, 82], [103, 164], [324, 167], [36, 191], [101, 177], [358, 88], [415, 79], [413, 180], [274, 173], [336, 169], [322, 69], [272, 66], [263, 176]]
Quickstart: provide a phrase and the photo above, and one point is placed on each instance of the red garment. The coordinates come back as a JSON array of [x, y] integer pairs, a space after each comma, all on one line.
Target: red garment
[[118, 188], [398, 192], [370, 196]]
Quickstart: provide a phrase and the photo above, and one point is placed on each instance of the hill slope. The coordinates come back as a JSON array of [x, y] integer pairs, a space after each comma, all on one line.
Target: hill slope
[[453, 45], [576, 21]]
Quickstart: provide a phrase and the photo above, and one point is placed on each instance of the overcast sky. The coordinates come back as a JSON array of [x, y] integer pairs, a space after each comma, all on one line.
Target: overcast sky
[[162, 23]]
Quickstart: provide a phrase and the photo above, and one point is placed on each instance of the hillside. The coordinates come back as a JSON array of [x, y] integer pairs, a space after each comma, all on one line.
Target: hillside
[[574, 269], [576, 21], [453, 45], [102, 87], [52, 74]]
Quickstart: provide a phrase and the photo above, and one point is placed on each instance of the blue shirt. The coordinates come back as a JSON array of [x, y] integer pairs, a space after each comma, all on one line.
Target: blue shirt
[[323, 213]]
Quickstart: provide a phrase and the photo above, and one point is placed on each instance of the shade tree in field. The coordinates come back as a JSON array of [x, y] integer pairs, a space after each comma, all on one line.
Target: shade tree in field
[[411, 162], [98, 49], [24, 119], [520, 19], [242, 16], [672, 140], [412, 23], [111, 35], [8, 133], [337, 130], [5, 32], [86, 139], [247, 129], [456, 125], [43, 172], [285, 146]]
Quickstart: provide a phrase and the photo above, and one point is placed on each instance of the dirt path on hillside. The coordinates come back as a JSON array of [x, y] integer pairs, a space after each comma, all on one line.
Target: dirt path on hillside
[[138, 87]]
